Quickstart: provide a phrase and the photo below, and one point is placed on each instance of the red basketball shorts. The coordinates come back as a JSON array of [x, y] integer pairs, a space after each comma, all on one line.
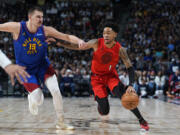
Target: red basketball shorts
[[101, 82]]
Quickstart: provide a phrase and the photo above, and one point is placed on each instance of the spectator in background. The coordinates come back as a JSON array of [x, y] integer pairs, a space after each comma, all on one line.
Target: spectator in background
[[124, 78], [151, 83], [143, 79], [143, 88], [175, 83], [67, 83], [78, 81], [175, 65], [176, 77], [171, 46], [160, 82]]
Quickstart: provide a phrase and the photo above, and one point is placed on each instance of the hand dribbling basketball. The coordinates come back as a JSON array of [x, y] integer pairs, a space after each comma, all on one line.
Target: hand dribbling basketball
[[130, 99]]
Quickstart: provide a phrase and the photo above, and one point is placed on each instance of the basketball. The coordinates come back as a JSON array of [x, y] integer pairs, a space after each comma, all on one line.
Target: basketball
[[130, 100]]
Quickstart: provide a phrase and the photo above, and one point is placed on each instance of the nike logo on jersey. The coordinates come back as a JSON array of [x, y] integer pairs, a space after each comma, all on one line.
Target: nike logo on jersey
[[39, 34]]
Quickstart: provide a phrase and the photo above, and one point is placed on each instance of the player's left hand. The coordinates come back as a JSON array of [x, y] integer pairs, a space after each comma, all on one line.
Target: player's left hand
[[14, 70], [50, 40], [130, 89]]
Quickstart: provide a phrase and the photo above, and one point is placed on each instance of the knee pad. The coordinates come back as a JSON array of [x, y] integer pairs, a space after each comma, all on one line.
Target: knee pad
[[52, 85], [37, 96], [119, 90], [103, 105]]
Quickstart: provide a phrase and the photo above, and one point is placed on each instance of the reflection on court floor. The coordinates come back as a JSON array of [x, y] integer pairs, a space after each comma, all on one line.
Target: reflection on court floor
[[15, 118]]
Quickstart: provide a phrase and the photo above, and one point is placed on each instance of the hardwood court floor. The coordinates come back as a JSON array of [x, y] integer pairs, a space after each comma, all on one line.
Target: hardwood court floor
[[15, 119]]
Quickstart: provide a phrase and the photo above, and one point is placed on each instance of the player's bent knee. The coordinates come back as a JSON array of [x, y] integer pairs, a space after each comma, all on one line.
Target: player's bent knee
[[119, 90], [37, 96], [52, 85], [103, 105]]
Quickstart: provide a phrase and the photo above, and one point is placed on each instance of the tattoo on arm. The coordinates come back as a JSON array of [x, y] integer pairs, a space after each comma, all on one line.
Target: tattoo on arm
[[68, 45], [71, 46], [92, 41], [90, 44], [124, 56]]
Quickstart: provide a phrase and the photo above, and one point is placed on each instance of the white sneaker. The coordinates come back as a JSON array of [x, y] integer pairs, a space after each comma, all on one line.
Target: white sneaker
[[61, 125], [33, 108]]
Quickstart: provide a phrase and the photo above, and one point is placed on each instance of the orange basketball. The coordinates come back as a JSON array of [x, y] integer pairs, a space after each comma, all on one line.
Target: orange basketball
[[130, 100]]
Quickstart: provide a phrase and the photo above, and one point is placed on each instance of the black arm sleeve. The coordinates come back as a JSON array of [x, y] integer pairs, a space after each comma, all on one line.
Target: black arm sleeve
[[131, 74]]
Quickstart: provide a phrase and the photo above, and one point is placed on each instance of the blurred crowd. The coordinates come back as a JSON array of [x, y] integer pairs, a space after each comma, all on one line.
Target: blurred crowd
[[152, 38]]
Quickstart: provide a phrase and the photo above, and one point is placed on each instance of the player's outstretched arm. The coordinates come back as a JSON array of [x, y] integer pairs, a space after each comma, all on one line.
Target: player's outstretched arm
[[90, 44], [12, 70], [12, 27], [52, 32], [124, 57]]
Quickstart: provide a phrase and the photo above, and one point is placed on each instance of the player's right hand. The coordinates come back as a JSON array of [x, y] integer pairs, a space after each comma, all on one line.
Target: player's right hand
[[130, 89], [14, 70], [82, 44]]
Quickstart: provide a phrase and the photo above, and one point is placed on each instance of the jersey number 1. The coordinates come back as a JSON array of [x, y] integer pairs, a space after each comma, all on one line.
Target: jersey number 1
[[110, 67]]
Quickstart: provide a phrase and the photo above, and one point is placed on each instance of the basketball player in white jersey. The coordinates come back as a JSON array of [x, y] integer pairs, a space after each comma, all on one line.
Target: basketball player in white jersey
[[12, 70]]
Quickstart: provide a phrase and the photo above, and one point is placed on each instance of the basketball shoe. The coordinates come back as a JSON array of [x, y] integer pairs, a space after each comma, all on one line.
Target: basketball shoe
[[144, 125], [61, 125]]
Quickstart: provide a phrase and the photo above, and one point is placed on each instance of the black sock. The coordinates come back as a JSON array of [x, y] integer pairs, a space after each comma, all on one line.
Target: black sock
[[138, 114], [119, 91]]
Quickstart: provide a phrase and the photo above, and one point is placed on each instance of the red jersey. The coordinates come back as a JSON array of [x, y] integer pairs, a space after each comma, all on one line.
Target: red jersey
[[105, 59]]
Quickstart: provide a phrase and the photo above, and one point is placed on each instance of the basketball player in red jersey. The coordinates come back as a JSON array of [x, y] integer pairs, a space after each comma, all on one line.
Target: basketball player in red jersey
[[107, 52]]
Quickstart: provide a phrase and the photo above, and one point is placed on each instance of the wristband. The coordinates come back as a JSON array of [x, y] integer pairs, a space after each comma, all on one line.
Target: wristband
[[131, 74]]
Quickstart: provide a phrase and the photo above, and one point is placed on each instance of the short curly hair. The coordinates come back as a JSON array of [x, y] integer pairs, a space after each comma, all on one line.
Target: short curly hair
[[111, 24]]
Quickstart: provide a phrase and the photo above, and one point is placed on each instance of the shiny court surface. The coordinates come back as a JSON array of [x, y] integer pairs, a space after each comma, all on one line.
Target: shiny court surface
[[15, 119]]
